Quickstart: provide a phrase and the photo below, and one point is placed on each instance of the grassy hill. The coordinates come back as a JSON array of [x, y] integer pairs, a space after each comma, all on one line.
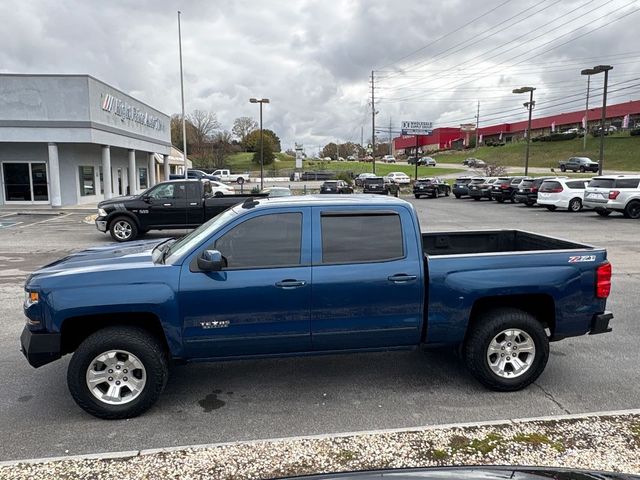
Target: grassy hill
[[621, 152], [240, 162]]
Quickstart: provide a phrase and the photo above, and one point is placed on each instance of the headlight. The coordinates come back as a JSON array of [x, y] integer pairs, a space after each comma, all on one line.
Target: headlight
[[102, 212], [31, 298]]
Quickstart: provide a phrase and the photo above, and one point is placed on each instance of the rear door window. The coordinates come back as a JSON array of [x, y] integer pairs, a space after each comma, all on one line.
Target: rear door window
[[579, 185], [549, 186], [627, 183], [362, 238]]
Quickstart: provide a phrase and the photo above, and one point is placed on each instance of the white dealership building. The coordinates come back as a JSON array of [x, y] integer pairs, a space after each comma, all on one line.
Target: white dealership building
[[72, 139]]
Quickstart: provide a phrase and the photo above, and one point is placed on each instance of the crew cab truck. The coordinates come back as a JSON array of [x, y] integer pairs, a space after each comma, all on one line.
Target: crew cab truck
[[226, 176], [299, 276], [168, 205]]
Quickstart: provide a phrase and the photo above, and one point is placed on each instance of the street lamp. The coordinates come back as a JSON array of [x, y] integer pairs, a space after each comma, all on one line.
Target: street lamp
[[260, 101], [529, 105], [593, 71]]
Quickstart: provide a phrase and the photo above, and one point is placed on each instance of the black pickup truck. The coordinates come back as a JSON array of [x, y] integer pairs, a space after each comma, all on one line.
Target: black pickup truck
[[168, 205]]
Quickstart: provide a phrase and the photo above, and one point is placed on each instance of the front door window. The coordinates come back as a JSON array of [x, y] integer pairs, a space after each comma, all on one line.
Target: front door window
[[25, 182]]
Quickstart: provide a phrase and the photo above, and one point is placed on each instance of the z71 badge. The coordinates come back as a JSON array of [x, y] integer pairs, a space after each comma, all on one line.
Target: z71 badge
[[582, 258]]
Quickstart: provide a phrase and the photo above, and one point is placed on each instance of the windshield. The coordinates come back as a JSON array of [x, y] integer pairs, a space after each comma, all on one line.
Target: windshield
[[191, 240]]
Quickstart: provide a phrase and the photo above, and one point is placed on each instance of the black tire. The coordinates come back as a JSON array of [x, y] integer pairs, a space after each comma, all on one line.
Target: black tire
[[434, 194], [563, 168], [488, 326], [417, 196], [632, 210], [500, 200], [119, 231], [575, 205], [131, 339], [476, 198], [603, 213], [530, 204], [218, 194], [447, 192], [551, 208], [581, 169], [240, 181], [513, 197], [457, 195]]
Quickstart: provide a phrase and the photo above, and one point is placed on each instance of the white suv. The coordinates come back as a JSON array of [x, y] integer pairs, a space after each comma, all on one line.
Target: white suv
[[389, 159], [617, 193], [562, 193]]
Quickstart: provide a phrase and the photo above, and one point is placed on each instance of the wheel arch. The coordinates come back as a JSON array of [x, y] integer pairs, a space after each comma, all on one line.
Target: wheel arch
[[74, 330], [122, 213], [541, 306]]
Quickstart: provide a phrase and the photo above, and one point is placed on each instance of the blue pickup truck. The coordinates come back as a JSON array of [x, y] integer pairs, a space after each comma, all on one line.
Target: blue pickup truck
[[305, 275]]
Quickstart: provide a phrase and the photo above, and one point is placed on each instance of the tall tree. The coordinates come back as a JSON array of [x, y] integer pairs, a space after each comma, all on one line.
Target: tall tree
[[253, 140], [204, 126], [176, 132], [222, 146], [268, 155], [243, 126]]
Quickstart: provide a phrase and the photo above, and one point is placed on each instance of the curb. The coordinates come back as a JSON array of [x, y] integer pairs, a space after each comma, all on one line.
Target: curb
[[151, 451]]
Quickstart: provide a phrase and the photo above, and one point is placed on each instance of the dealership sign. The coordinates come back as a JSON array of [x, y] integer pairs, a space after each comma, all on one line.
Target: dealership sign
[[127, 111], [417, 128]]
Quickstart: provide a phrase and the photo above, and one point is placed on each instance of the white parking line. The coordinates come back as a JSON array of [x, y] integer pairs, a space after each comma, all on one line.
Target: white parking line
[[57, 217]]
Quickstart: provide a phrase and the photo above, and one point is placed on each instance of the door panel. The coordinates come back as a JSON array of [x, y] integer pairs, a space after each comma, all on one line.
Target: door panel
[[375, 297], [167, 205], [260, 303]]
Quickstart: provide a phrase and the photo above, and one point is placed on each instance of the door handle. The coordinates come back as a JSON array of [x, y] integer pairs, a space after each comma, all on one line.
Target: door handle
[[167, 204], [193, 204], [402, 278], [290, 284]]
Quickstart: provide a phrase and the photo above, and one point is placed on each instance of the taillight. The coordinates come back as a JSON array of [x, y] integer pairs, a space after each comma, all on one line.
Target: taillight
[[613, 194], [534, 189], [603, 280], [557, 190], [504, 186]]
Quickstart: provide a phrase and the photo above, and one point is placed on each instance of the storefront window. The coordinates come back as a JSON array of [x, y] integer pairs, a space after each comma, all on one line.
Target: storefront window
[[142, 174], [87, 181], [25, 182]]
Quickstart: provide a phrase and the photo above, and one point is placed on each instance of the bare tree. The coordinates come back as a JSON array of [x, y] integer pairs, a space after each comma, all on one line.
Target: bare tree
[[222, 147], [204, 126], [243, 126]]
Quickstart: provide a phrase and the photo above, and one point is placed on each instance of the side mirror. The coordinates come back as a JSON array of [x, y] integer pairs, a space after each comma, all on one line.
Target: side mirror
[[210, 261], [145, 198]]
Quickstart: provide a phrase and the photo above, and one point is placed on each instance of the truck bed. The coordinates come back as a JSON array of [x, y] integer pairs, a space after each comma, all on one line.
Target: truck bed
[[491, 241]]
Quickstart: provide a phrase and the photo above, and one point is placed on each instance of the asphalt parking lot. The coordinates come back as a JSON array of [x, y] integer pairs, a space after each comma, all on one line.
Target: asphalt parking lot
[[243, 400]]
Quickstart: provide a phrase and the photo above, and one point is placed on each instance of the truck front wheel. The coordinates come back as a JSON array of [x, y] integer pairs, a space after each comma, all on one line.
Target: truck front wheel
[[117, 372], [123, 229], [506, 349], [240, 180]]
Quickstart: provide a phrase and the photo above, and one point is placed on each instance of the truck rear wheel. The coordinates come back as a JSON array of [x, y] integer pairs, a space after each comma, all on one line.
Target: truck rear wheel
[[506, 350], [240, 180], [117, 372], [123, 229]]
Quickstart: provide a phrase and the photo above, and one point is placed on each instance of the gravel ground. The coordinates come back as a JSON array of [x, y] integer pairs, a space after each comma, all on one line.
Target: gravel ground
[[609, 443]]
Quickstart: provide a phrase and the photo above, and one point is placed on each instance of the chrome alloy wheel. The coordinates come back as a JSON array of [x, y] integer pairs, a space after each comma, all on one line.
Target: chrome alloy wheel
[[511, 353], [116, 377], [122, 230]]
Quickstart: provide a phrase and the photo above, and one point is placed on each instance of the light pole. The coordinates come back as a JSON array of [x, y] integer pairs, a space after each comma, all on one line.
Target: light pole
[[260, 101], [586, 115], [529, 105], [593, 71]]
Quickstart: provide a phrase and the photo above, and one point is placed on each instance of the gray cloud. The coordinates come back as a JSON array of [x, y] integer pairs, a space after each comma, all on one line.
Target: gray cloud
[[313, 58]]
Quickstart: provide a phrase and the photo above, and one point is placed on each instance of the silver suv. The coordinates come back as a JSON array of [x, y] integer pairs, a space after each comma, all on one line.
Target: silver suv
[[617, 193]]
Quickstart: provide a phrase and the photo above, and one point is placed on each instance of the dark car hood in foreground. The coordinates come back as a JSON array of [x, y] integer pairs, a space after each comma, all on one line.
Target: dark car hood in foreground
[[116, 200], [472, 473], [99, 258]]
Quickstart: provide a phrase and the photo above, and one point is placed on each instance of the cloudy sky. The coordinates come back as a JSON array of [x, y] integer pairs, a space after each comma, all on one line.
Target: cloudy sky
[[313, 59]]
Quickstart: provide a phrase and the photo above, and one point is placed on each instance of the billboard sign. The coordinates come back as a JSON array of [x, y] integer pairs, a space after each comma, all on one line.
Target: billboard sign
[[417, 128]]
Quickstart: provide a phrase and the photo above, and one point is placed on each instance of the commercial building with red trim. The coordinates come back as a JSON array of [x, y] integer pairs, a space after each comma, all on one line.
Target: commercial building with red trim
[[443, 138]]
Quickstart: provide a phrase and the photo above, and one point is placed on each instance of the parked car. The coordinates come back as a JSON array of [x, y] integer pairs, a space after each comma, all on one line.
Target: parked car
[[430, 187], [375, 185], [195, 174], [277, 273], [226, 176], [413, 160], [400, 178], [461, 186], [562, 193], [320, 175], [527, 191], [359, 180], [617, 193], [474, 163], [352, 158], [165, 206], [273, 192], [505, 189], [219, 189], [336, 186], [482, 189], [389, 159], [427, 161], [579, 164]]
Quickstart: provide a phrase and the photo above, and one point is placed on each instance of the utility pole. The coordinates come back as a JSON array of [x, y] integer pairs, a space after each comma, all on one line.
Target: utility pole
[[586, 115], [477, 125], [184, 120], [362, 136], [373, 123], [390, 152], [337, 151]]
